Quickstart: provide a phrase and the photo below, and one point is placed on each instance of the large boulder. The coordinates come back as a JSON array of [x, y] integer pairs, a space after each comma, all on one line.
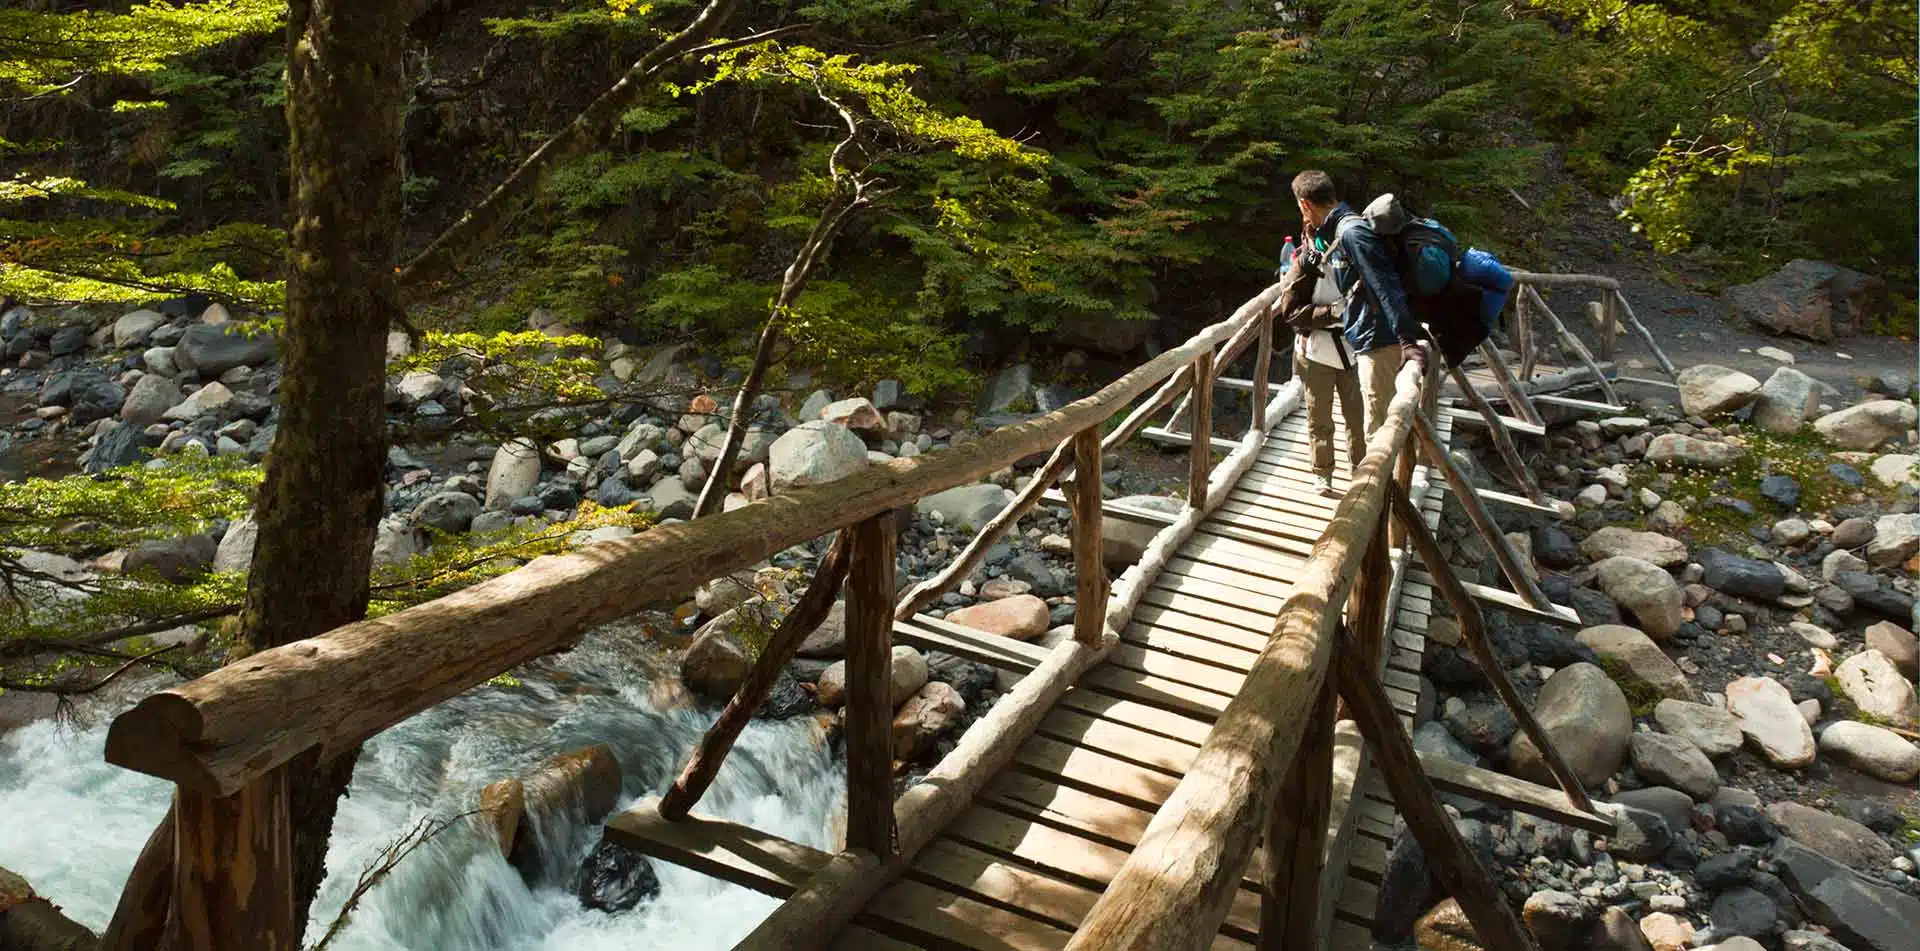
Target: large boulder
[[147, 403], [1786, 401], [236, 546], [1587, 719], [132, 329], [717, 660], [174, 560], [966, 507], [1810, 299], [1651, 547], [1675, 449], [1124, 540], [1834, 836], [1895, 469], [1863, 915], [1634, 655], [1672, 761], [813, 453], [1558, 919], [1896, 538], [1878, 688], [614, 878], [1710, 390], [1876, 751], [1022, 616], [451, 512], [1771, 722], [930, 712], [1646, 590], [213, 349], [1711, 729], [1867, 425], [1011, 388], [514, 473], [88, 393]]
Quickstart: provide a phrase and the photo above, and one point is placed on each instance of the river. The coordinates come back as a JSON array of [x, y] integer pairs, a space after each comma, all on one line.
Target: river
[[72, 825]]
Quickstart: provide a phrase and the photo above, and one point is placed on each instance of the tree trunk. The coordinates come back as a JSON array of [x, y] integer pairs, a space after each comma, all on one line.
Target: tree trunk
[[322, 497]]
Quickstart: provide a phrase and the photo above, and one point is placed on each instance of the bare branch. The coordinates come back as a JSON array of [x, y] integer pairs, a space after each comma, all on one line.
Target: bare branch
[[383, 865]]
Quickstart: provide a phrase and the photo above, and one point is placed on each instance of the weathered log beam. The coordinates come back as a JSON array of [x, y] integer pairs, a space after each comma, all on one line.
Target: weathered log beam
[[971, 557], [1510, 387], [333, 691], [1646, 335], [140, 918], [1543, 279], [703, 763], [1089, 567], [1473, 630], [1200, 453], [815, 914], [1296, 838], [870, 699], [1494, 922], [1571, 345], [233, 856], [1176, 887], [1502, 440], [1463, 492]]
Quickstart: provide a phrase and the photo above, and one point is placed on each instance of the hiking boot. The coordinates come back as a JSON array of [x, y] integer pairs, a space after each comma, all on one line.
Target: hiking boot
[[1324, 485]]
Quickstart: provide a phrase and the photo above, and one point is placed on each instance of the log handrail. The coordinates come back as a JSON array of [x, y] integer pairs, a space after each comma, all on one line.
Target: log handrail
[[1175, 888], [232, 726]]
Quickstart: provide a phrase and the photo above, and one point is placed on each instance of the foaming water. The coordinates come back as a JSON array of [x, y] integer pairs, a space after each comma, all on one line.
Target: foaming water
[[72, 825]]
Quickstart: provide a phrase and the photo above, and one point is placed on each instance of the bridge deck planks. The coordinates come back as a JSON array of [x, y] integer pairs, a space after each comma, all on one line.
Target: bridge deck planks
[[1021, 866]]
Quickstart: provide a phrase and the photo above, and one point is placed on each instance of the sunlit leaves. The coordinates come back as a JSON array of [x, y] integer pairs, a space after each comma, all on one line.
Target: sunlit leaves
[[42, 52]]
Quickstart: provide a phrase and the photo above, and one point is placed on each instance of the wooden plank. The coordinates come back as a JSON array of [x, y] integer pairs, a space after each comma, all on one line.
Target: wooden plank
[[1508, 601], [1189, 647], [1219, 584], [1004, 653], [1155, 691], [856, 938], [1358, 900], [1510, 423], [1192, 673], [1178, 593], [1162, 620], [1087, 815], [1522, 502], [1095, 772], [1172, 438], [1368, 858], [954, 866], [1293, 551], [1251, 551], [1485, 785], [921, 914], [725, 850], [1347, 936], [1138, 715], [1585, 406], [1119, 741]]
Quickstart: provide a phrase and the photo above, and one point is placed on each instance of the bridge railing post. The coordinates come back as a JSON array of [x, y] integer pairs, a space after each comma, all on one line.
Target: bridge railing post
[[233, 869], [1262, 370], [869, 712], [1200, 453], [1089, 565]]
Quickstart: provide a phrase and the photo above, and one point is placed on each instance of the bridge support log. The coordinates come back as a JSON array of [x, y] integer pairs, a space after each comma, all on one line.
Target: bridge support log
[[140, 918], [703, 764], [1296, 839], [1570, 344], [1200, 453], [1498, 928], [870, 700], [1510, 388], [1090, 570], [1463, 492], [1502, 440], [1626, 310], [1473, 631], [232, 860]]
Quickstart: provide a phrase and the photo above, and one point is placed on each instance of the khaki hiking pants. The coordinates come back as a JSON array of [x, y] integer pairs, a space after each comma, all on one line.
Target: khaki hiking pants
[[1378, 367], [1320, 383]]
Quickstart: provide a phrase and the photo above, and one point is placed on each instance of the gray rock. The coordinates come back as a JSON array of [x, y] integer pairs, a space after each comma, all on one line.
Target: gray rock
[[1710, 390], [1813, 300], [1898, 644], [1010, 387], [1586, 717], [1853, 533], [1744, 913], [86, 392], [396, 542], [1671, 805], [815, 402], [1675, 449], [1864, 916], [1868, 425], [451, 512], [1896, 538], [160, 360], [966, 507], [207, 400], [1558, 919], [1710, 729], [1639, 835], [1767, 716], [1786, 401], [1809, 941], [642, 435], [174, 560], [1877, 687], [1895, 469], [132, 329], [68, 341], [487, 523], [236, 546], [1672, 761], [716, 662], [1637, 658], [1836, 837], [213, 349], [122, 445], [814, 453], [1484, 724], [1650, 593], [1741, 577], [1123, 540], [149, 400], [514, 473], [829, 640], [1792, 532], [1651, 547], [1876, 751], [928, 714], [1781, 490], [668, 498]]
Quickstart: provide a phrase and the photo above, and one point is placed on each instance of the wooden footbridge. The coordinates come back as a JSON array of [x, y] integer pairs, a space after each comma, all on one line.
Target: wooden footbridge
[[1215, 760]]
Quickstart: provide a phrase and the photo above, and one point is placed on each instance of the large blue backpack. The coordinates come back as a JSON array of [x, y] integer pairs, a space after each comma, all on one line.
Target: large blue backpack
[[1457, 297]]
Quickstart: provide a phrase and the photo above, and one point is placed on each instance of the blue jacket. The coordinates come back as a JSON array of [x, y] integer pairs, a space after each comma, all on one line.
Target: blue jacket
[[1376, 315]]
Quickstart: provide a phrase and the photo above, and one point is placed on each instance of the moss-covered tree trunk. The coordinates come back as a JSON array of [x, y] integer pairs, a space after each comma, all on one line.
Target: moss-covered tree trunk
[[321, 502]]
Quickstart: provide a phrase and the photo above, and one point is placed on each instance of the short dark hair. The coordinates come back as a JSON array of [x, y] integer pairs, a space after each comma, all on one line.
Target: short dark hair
[[1314, 187]]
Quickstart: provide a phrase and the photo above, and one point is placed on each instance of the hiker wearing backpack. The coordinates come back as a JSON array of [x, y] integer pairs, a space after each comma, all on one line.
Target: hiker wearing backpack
[[1321, 358], [1373, 306]]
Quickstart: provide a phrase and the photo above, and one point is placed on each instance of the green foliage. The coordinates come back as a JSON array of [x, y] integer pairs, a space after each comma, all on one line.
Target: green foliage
[[859, 337], [456, 561], [41, 52]]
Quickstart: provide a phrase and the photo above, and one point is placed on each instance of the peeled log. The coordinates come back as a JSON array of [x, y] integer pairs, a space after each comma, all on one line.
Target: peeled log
[[31, 923], [585, 779]]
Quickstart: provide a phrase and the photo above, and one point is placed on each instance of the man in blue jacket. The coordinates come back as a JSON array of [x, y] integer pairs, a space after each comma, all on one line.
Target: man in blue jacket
[[1373, 307]]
